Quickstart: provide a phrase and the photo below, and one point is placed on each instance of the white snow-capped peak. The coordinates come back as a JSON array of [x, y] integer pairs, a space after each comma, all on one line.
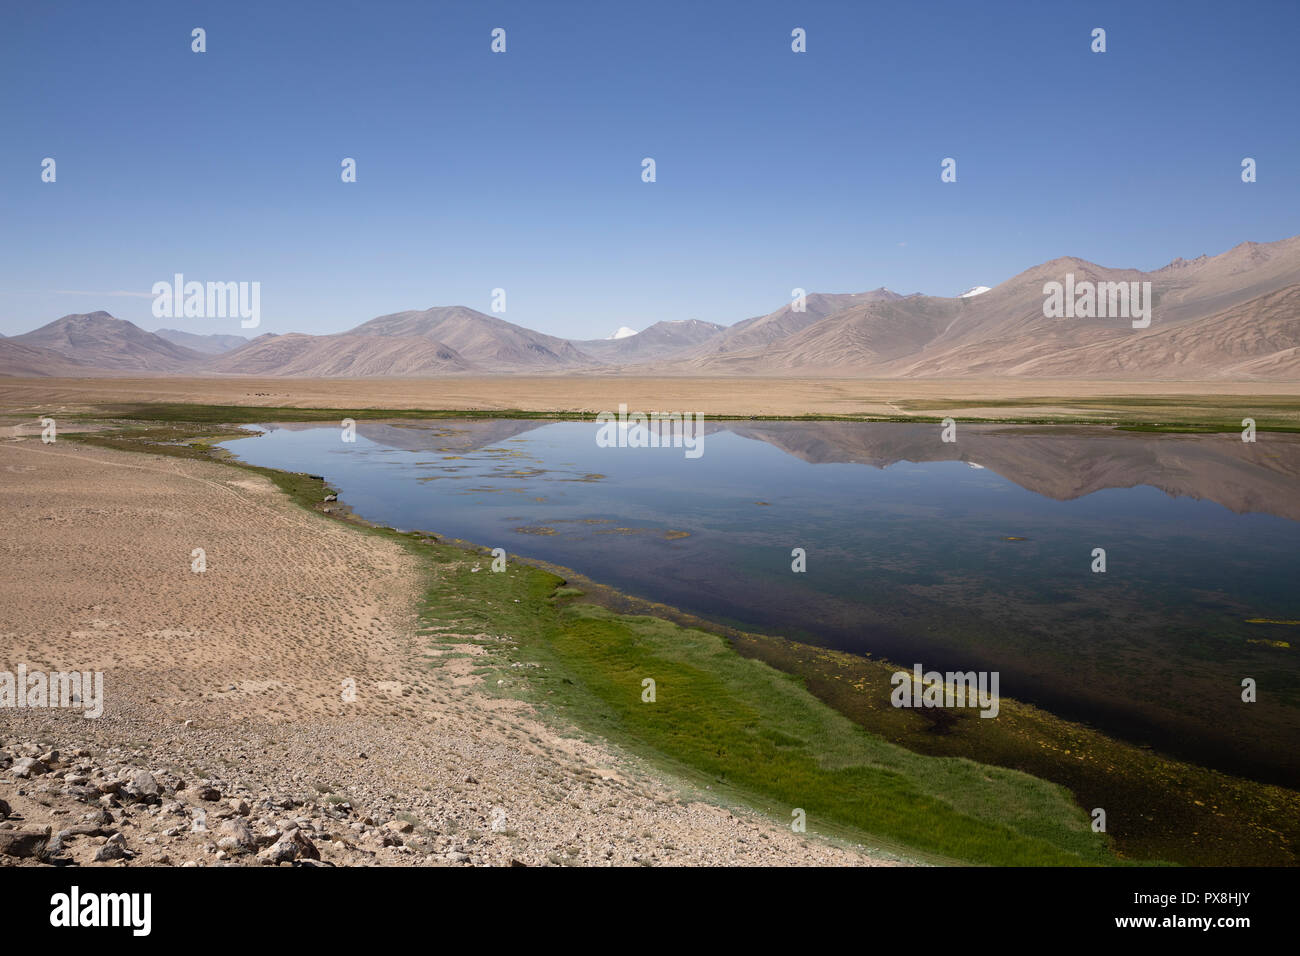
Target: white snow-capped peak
[[622, 333], [978, 290]]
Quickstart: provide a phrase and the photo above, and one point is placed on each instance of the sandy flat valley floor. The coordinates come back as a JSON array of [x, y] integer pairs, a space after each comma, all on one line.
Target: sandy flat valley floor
[[709, 396]]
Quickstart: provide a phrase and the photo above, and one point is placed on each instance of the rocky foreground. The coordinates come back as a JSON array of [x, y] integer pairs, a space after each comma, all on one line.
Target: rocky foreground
[[112, 805], [73, 810], [82, 807]]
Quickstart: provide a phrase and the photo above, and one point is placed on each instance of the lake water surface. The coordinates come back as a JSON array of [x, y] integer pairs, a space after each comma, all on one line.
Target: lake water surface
[[975, 554]]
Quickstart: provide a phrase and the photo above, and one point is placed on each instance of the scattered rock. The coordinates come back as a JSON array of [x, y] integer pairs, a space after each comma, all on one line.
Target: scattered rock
[[293, 845], [278, 853], [305, 847], [23, 843], [110, 851], [26, 767], [144, 787], [236, 836]]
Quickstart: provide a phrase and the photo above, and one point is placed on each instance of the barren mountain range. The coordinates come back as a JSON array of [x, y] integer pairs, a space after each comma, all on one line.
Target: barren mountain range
[[1231, 316], [208, 344]]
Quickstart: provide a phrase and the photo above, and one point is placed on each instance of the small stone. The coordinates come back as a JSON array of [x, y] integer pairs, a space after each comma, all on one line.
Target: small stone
[[25, 767], [23, 843], [144, 787], [236, 836], [278, 853], [110, 851], [291, 846], [305, 847]]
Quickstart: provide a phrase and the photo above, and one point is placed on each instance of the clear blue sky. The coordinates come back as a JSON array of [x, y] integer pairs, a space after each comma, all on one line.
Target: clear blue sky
[[523, 170]]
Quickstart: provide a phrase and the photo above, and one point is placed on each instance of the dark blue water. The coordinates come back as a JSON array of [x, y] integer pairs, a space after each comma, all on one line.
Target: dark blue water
[[913, 553]]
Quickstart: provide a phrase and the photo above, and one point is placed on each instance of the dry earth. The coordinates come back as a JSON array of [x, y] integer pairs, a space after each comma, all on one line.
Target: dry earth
[[594, 393], [225, 738]]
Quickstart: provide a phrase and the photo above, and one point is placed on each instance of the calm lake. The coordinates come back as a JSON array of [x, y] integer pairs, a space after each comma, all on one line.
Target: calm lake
[[976, 554]]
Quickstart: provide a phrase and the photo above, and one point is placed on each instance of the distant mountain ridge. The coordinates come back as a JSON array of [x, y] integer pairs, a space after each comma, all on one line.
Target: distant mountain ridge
[[1235, 315], [659, 341], [207, 344], [29, 361], [489, 343], [100, 341], [347, 356]]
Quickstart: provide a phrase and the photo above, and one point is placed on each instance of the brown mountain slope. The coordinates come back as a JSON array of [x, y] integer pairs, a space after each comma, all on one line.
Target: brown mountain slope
[[1004, 331], [1234, 314], [207, 344], [656, 342], [1262, 334], [341, 356], [101, 341], [490, 343], [778, 326], [28, 361], [1248, 340], [861, 337]]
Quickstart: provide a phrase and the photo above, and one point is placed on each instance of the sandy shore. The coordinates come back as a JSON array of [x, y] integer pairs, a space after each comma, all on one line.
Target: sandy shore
[[709, 396], [225, 686]]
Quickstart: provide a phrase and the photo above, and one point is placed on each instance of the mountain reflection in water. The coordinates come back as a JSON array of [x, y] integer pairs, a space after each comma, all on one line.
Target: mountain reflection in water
[[968, 555]]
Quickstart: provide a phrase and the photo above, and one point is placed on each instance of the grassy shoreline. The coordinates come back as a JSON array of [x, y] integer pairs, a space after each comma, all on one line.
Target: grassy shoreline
[[835, 744], [1205, 416]]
